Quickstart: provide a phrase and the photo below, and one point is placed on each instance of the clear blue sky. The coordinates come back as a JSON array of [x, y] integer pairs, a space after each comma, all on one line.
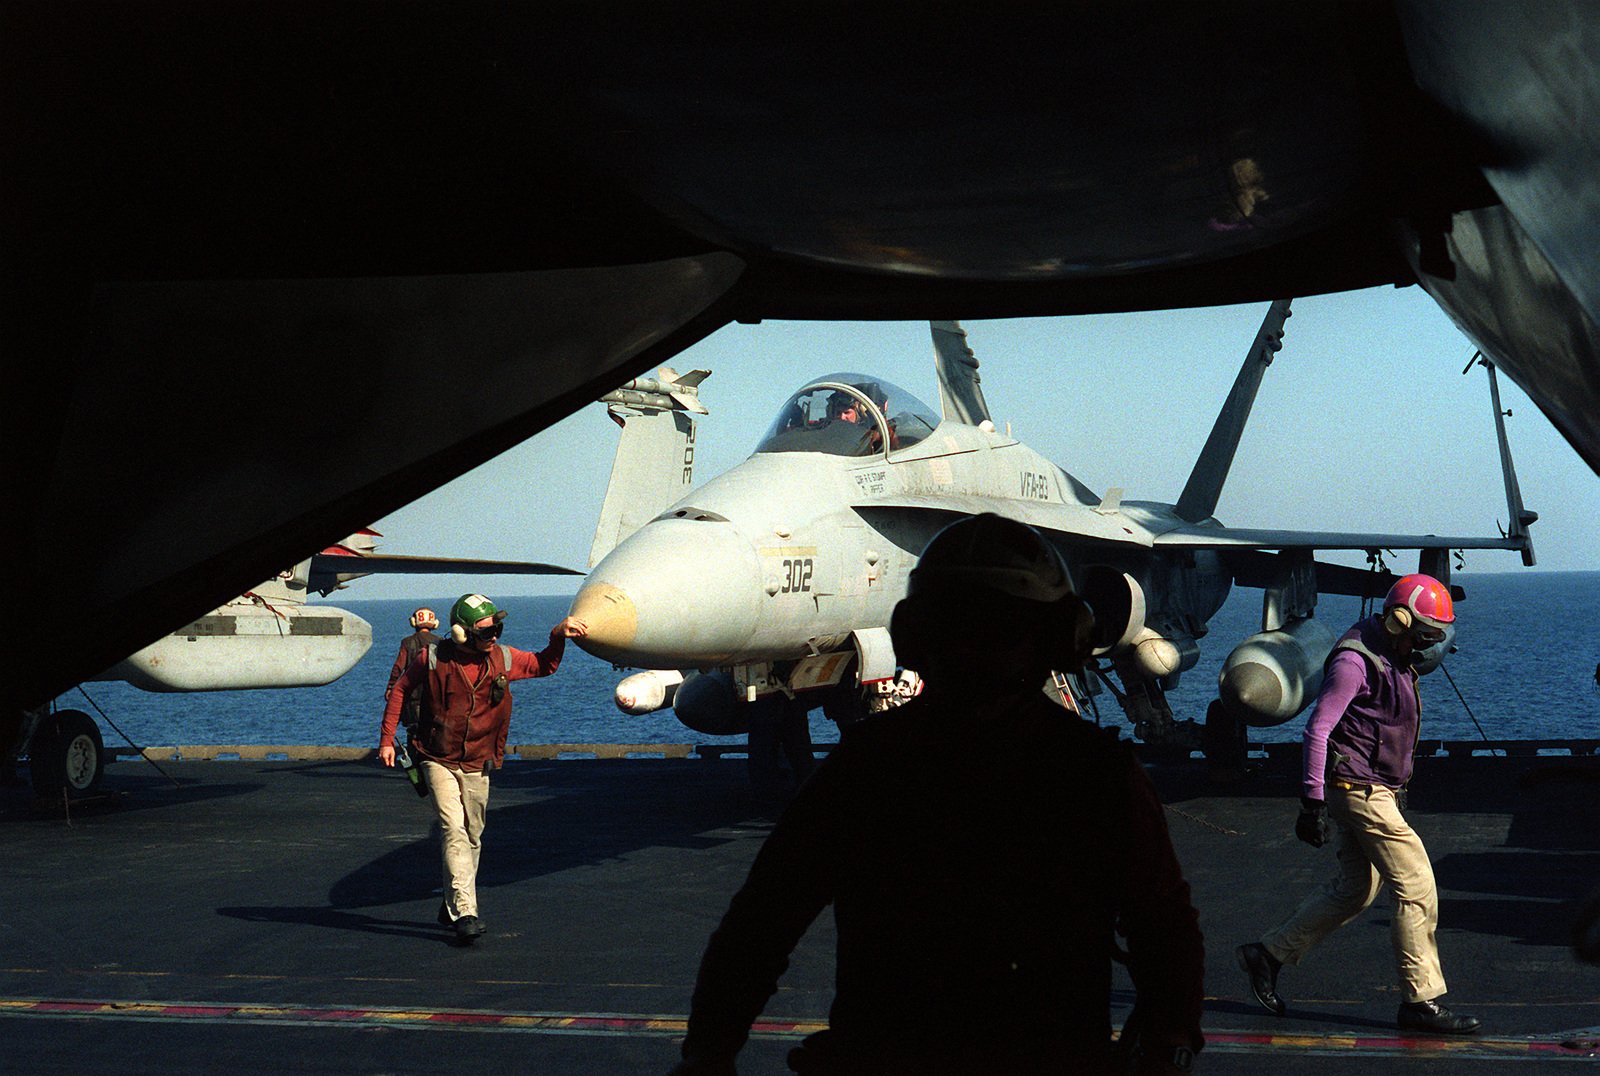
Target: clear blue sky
[[1364, 423]]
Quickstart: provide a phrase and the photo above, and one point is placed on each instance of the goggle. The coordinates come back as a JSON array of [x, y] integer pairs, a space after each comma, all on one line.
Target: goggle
[[1425, 635], [486, 634]]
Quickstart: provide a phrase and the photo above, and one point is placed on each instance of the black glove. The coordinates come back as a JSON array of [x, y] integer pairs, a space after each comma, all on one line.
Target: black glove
[[1312, 825]]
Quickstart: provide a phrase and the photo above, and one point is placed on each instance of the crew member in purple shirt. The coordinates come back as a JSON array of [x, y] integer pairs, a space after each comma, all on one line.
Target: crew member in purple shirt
[[1358, 746]]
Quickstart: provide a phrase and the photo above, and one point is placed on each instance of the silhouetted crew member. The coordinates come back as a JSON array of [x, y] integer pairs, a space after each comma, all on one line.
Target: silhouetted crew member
[[424, 620], [461, 735], [778, 735], [980, 845], [1359, 741]]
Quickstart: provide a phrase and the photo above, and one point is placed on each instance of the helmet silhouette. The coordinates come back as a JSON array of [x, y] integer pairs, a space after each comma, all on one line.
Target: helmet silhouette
[[994, 553]]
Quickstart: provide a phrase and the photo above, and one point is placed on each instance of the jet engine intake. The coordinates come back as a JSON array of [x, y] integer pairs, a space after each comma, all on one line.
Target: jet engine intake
[[1118, 603], [1273, 675]]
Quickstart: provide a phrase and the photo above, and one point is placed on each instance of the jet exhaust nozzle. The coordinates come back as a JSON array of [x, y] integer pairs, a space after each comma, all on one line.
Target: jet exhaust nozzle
[[1274, 675]]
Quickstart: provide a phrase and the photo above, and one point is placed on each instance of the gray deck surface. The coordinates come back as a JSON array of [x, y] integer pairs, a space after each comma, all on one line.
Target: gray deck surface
[[279, 917]]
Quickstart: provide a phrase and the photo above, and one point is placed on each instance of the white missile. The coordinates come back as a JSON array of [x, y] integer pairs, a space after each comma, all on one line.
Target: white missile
[[648, 691], [1158, 657], [1272, 676]]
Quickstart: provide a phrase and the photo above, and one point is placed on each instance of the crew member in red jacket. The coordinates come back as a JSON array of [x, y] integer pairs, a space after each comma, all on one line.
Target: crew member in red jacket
[[461, 734], [424, 620]]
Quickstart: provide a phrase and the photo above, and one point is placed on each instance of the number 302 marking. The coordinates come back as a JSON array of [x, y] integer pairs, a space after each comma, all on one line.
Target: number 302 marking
[[797, 577]]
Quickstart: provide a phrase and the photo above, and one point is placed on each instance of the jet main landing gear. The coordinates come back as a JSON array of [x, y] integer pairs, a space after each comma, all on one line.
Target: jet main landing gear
[[66, 755]]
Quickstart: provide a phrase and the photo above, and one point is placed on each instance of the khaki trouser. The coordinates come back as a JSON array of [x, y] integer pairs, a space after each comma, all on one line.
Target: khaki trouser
[[1375, 847], [461, 799]]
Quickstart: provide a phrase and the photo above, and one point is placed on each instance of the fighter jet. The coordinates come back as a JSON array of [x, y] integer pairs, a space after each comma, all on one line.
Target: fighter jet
[[773, 583]]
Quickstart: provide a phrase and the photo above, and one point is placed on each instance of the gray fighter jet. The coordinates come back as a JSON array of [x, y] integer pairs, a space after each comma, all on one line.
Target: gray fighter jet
[[774, 582]]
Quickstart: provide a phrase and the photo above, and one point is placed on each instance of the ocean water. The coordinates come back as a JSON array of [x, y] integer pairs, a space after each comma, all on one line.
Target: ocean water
[[1529, 643]]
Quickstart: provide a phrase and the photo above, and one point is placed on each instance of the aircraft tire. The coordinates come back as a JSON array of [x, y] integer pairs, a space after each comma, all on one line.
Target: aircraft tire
[[68, 754]]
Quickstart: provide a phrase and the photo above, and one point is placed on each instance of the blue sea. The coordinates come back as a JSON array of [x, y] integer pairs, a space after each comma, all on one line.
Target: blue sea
[[1529, 643]]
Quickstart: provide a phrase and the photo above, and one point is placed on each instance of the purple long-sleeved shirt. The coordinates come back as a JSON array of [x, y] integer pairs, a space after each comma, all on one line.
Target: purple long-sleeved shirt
[[1363, 727]]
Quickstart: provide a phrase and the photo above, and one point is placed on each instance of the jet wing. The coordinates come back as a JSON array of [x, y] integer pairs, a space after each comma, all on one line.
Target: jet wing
[[1085, 523], [329, 570], [379, 563], [386, 564], [1260, 538], [1070, 521]]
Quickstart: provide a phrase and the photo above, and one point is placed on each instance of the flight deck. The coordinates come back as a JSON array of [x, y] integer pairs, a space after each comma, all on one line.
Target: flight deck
[[278, 915]]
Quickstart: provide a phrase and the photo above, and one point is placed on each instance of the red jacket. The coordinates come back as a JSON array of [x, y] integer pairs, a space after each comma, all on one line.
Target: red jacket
[[410, 646], [462, 725]]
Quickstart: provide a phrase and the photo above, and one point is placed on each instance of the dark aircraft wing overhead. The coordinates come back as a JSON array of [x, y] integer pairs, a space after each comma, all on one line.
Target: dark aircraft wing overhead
[[490, 214]]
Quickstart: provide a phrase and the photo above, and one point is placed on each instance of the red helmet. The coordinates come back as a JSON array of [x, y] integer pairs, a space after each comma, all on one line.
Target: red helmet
[[1421, 597], [424, 618]]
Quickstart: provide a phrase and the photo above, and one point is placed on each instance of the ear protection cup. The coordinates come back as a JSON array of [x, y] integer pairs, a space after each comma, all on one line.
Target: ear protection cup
[[459, 634], [1398, 620], [910, 626], [1072, 634]]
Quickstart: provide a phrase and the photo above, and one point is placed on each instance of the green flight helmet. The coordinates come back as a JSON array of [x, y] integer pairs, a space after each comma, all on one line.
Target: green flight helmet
[[467, 611]]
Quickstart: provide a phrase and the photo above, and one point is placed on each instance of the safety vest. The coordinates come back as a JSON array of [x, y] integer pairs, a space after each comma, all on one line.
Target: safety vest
[[466, 707]]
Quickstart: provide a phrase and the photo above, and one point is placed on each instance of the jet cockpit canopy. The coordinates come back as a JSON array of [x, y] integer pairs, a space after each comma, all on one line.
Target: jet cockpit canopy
[[849, 415]]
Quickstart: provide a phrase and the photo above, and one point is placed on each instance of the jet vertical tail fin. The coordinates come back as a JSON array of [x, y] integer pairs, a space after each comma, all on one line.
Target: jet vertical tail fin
[[1204, 488], [960, 388], [654, 464]]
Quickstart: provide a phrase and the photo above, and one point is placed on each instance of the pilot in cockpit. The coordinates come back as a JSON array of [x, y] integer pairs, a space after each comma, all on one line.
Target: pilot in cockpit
[[844, 407]]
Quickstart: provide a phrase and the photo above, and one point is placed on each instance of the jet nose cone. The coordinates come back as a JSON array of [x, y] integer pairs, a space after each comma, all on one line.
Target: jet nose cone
[[611, 615], [676, 594]]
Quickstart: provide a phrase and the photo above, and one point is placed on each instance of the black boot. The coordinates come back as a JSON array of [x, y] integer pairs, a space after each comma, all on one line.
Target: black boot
[[1262, 967], [1433, 1017]]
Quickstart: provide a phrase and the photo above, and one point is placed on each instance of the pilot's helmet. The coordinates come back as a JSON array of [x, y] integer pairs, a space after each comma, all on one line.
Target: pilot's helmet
[[840, 402], [425, 618]]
